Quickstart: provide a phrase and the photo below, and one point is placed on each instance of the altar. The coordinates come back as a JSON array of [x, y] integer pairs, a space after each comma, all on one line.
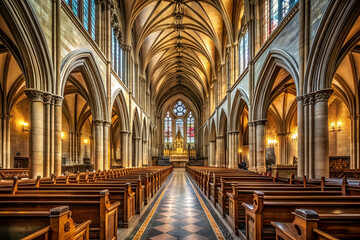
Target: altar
[[177, 154]]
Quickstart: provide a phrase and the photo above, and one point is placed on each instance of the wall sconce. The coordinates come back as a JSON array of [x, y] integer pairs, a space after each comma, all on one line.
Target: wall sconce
[[85, 141], [240, 150], [62, 135], [272, 142], [25, 127], [294, 137], [333, 129]]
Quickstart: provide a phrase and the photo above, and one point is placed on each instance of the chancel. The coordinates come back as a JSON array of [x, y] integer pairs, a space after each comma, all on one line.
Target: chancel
[[180, 119]]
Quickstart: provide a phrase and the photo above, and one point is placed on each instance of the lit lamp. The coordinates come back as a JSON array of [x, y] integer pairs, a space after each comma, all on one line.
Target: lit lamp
[[85, 141], [25, 127], [240, 157], [62, 135], [272, 142], [294, 137], [333, 129]]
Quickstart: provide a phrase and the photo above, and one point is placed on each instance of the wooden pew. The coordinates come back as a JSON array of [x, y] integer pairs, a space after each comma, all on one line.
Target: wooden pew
[[309, 225], [267, 209], [55, 224], [97, 208]]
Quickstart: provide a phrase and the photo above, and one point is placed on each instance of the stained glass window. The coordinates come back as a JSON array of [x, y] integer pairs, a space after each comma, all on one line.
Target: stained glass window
[[85, 10], [190, 129], [93, 18], [114, 46], [179, 109], [180, 126], [168, 128], [86, 14], [274, 12], [244, 51]]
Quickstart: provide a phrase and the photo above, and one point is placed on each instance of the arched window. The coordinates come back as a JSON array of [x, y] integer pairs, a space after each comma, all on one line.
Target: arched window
[[85, 10], [180, 126], [244, 51], [179, 109], [117, 54], [168, 128], [190, 129], [274, 12]]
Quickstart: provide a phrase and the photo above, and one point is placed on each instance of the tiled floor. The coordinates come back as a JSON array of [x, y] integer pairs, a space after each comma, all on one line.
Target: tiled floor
[[179, 214]]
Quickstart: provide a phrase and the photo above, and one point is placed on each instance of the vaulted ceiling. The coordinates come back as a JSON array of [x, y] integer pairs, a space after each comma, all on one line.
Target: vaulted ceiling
[[180, 43]]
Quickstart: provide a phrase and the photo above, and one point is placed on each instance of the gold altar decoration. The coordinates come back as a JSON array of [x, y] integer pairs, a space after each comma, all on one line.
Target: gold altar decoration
[[178, 150]]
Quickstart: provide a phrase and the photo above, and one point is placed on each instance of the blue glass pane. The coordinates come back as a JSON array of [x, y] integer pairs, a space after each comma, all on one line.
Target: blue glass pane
[[246, 49], [168, 128], [121, 63], [241, 63], [75, 7], [285, 7], [190, 129], [266, 19], [113, 50], [274, 14], [67, 1], [93, 18], [179, 109], [180, 126], [86, 14]]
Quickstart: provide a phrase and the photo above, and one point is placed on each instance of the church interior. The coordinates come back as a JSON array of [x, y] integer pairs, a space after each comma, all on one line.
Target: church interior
[[180, 119]]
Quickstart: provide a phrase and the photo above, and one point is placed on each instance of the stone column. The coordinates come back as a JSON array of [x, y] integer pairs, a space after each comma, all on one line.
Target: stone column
[[106, 145], [92, 150], [261, 145], [283, 148], [145, 153], [5, 141], [130, 150], [236, 149], [212, 150], [136, 152], [140, 153], [47, 134], [231, 149], [124, 147], [252, 142], [58, 100], [301, 137], [99, 153], [321, 133], [220, 152], [36, 151]]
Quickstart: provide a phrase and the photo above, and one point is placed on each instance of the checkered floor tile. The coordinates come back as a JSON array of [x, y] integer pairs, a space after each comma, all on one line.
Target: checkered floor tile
[[179, 215]]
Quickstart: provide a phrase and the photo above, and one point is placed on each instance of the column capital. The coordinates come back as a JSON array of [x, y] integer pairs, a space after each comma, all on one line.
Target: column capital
[[126, 47], [34, 95], [124, 132], [251, 124], [220, 137], [5, 116], [261, 122], [323, 95], [48, 98], [107, 123], [98, 122], [58, 100]]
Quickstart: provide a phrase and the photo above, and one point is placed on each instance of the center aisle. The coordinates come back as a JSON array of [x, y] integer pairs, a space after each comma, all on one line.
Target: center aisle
[[179, 214]]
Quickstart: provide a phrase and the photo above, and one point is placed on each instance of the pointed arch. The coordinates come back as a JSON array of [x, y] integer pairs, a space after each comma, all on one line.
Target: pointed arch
[[118, 102], [83, 60], [275, 60]]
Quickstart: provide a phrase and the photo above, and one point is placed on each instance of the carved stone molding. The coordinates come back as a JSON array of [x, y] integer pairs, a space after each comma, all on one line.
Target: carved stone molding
[[48, 98], [126, 47], [251, 124], [261, 122], [34, 95], [98, 122], [323, 95], [58, 100], [106, 124]]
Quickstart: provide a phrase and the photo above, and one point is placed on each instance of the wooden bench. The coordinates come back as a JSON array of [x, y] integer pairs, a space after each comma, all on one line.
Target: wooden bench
[[309, 225], [55, 224], [267, 209], [97, 208]]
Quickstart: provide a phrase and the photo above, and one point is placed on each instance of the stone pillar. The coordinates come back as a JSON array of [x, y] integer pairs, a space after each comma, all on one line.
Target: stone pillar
[[283, 148], [99, 153], [145, 153], [301, 137], [36, 131], [92, 150], [140, 153], [236, 149], [321, 133], [58, 100], [124, 147], [130, 148], [261, 145], [106, 145], [212, 150], [231, 149], [252, 149], [136, 152], [220, 152], [5, 141], [47, 134]]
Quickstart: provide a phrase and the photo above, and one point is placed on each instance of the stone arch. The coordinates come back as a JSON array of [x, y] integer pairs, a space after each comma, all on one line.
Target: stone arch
[[83, 59], [239, 102], [119, 103], [30, 49], [275, 60], [328, 44]]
